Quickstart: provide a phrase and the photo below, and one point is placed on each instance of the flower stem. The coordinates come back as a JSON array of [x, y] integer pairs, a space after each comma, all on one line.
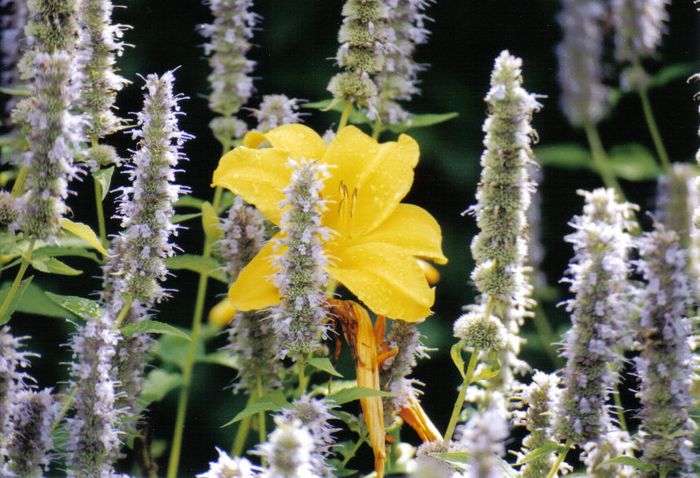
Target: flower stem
[[560, 459], [243, 430], [457, 410], [64, 409], [302, 376], [377, 128], [546, 335], [183, 398], [345, 115], [654, 130], [262, 432], [123, 313], [24, 265], [100, 213], [600, 158]]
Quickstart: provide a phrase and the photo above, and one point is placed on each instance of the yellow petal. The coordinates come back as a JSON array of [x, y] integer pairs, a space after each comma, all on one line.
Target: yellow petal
[[386, 279], [296, 139], [415, 416], [413, 229], [258, 176], [374, 178], [222, 313], [254, 288]]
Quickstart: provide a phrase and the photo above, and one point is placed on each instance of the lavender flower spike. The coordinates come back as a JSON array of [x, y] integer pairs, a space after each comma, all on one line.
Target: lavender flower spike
[[301, 263], [276, 110], [398, 79], [639, 27], [483, 438], [100, 44], [500, 248], [664, 366], [94, 428], [229, 38], [600, 314], [30, 439], [227, 467], [12, 381], [288, 450], [12, 42], [584, 97]]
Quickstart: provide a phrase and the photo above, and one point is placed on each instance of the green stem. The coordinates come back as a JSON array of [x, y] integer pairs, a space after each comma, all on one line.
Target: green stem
[[350, 456], [243, 430], [301, 363], [345, 115], [457, 410], [183, 398], [654, 130], [123, 313], [24, 265], [560, 459], [64, 409], [102, 228], [600, 158], [619, 410], [377, 128], [262, 431], [18, 186]]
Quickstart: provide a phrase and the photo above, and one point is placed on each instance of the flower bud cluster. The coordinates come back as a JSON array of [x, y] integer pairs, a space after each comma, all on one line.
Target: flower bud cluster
[[664, 365], [539, 397], [363, 39], [12, 380], [503, 197], [288, 450], [94, 440], [30, 440], [479, 331], [100, 43], [399, 76], [276, 110], [600, 314], [584, 96], [639, 27], [394, 372], [612, 444], [301, 275], [243, 237], [227, 467], [483, 437]]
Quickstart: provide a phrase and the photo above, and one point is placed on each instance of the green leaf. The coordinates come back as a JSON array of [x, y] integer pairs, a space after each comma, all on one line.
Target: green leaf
[[198, 264], [154, 327], [51, 265], [356, 393], [224, 359], [210, 223], [486, 373], [325, 365], [157, 385], [104, 178], [565, 156], [355, 117], [35, 301], [547, 448], [459, 459], [270, 402], [16, 91], [671, 73], [634, 162], [178, 218], [23, 286], [57, 251], [630, 461], [422, 121], [173, 349], [84, 232], [189, 201], [84, 308], [457, 359]]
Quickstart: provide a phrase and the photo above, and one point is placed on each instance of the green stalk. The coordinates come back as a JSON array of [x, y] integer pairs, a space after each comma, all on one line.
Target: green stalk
[[600, 158], [560, 459], [546, 335], [262, 432], [243, 430], [24, 265], [377, 128], [457, 410], [654, 130], [102, 228], [345, 115]]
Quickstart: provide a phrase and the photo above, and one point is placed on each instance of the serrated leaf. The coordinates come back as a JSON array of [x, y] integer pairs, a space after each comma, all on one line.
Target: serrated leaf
[[670, 73], [104, 179], [356, 393], [79, 306], [157, 385], [325, 365], [84, 232], [153, 327], [189, 201], [199, 264], [23, 285], [210, 223], [457, 359], [565, 156], [422, 121], [270, 402], [16, 90], [634, 162], [51, 265], [178, 218], [630, 461]]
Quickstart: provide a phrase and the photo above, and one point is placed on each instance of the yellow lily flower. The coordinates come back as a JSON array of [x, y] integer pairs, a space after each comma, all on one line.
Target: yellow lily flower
[[375, 238]]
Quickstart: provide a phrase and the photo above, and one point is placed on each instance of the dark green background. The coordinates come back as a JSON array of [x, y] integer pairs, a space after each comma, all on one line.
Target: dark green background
[[294, 51]]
